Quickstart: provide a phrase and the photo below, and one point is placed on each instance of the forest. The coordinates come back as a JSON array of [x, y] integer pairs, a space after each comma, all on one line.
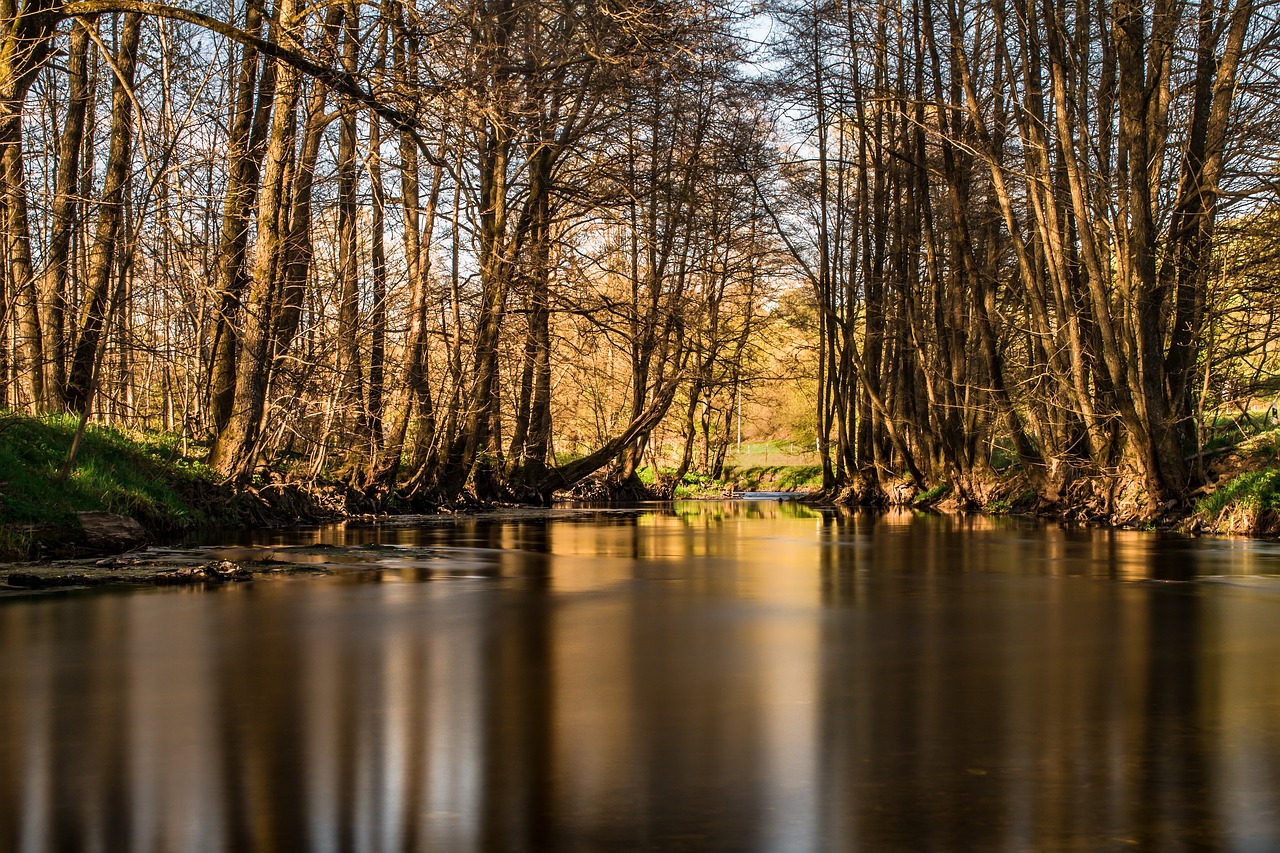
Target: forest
[[492, 247]]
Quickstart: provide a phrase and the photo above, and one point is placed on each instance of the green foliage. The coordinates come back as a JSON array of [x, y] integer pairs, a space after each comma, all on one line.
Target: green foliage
[[1003, 454], [142, 475], [933, 493], [1257, 490], [999, 507], [694, 485]]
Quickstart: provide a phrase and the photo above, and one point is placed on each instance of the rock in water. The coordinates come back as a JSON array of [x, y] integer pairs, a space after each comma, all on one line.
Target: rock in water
[[216, 572], [106, 531], [225, 570]]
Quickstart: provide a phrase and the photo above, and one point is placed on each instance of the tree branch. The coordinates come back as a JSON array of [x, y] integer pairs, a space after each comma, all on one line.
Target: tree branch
[[336, 80]]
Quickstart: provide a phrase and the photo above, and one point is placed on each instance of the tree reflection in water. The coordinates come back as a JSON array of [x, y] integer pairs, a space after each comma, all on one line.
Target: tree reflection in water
[[717, 676]]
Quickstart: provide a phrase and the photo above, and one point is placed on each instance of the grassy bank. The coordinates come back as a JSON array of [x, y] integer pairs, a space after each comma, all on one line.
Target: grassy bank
[[756, 478], [143, 475], [1243, 494], [154, 478]]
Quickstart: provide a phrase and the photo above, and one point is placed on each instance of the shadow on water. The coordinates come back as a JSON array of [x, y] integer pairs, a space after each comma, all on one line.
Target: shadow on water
[[695, 676]]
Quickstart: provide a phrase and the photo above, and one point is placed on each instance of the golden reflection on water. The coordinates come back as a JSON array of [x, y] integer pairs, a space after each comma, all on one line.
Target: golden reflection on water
[[712, 676]]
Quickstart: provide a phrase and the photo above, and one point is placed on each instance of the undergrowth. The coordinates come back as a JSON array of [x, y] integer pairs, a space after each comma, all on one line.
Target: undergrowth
[[935, 492], [1258, 491]]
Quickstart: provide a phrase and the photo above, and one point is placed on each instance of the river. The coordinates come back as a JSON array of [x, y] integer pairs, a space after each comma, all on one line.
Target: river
[[738, 675]]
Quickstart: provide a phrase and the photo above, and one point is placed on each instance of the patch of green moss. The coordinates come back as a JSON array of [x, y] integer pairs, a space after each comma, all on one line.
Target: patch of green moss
[[932, 494]]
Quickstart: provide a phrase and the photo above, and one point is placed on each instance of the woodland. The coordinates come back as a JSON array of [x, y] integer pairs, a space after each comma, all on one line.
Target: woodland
[[492, 247]]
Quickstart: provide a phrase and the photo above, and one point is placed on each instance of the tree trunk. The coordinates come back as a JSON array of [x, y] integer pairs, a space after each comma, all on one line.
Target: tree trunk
[[57, 270], [245, 150], [235, 449], [100, 285], [350, 371], [28, 342], [26, 38]]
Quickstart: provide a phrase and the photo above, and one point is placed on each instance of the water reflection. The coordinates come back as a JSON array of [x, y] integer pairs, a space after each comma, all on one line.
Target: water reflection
[[709, 676]]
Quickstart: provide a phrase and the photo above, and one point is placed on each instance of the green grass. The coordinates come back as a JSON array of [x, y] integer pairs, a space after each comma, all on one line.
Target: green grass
[[1227, 430], [699, 486], [1256, 490], [758, 478], [777, 478], [775, 452], [142, 475]]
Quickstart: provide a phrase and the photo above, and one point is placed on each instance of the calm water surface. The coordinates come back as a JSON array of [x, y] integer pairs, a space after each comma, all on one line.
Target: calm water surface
[[749, 676]]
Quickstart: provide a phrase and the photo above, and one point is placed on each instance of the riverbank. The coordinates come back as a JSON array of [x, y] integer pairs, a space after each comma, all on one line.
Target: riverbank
[[803, 480], [1240, 495], [50, 510], [160, 482]]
